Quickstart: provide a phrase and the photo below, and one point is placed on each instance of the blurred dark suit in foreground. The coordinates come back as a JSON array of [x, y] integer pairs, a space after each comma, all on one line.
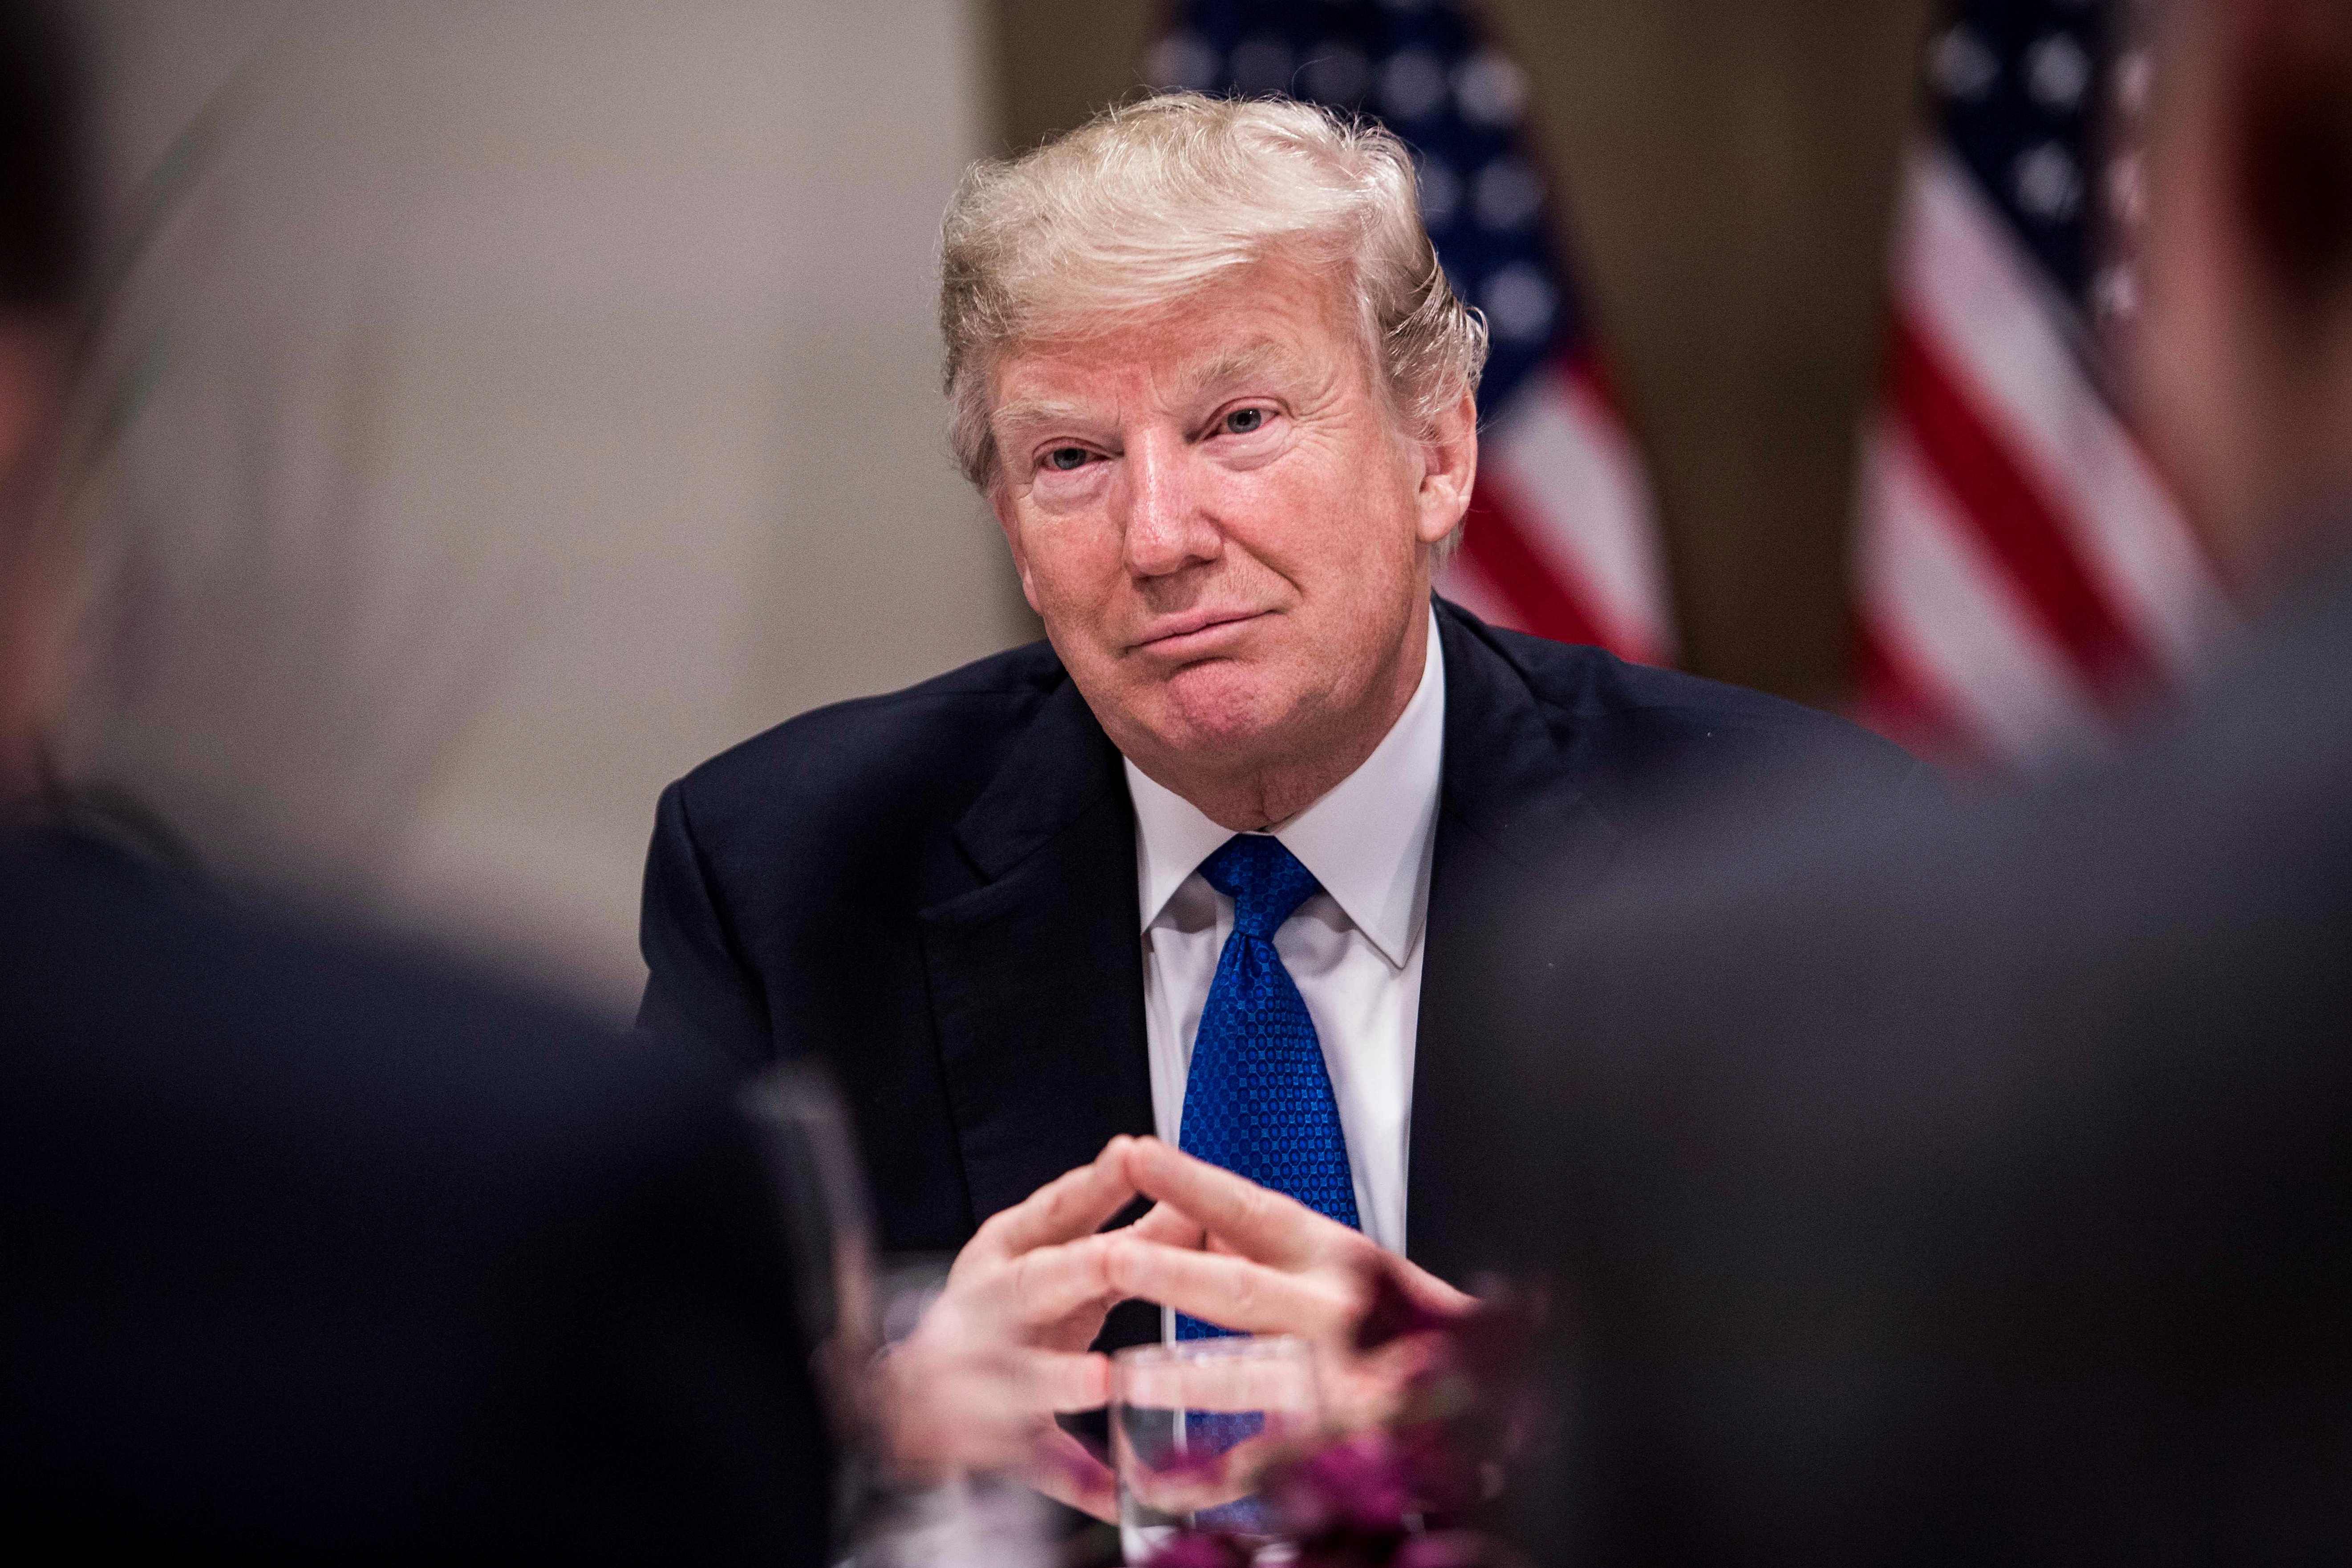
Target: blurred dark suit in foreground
[[319, 1250], [1982, 1192], [1975, 1195]]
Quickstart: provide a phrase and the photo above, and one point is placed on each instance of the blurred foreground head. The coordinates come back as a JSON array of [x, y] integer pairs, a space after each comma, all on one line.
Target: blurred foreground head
[[318, 1248], [2242, 360], [44, 257], [1972, 1191]]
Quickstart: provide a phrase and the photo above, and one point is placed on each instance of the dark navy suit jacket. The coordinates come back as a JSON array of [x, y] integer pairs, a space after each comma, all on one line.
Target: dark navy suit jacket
[[935, 890]]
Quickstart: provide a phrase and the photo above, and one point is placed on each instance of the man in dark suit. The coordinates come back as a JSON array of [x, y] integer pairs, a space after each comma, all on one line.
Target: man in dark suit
[[1200, 863], [1980, 1194], [316, 1248]]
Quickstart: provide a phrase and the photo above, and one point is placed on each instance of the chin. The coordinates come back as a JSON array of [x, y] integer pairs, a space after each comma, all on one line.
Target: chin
[[1222, 708]]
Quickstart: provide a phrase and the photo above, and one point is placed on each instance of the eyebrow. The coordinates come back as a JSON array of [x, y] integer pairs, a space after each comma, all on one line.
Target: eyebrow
[[1241, 364], [1033, 411]]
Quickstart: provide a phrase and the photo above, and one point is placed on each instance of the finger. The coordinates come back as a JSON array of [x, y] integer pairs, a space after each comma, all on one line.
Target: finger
[[1367, 1390], [1074, 1204], [1047, 1284], [1061, 1467], [1426, 1290], [1231, 1293], [1170, 1227], [1256, 1222], [982, 1411], [1068, 1380], [945, 1412]]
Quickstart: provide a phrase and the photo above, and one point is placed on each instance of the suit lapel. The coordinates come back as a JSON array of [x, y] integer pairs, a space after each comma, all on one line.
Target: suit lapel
[[1036, 975], [1510, 798]]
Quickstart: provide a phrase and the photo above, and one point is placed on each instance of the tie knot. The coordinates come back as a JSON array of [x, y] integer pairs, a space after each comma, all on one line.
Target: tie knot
[[1264, 880]]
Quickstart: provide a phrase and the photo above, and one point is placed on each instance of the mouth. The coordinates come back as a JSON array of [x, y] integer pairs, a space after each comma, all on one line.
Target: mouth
[[1202, 632]]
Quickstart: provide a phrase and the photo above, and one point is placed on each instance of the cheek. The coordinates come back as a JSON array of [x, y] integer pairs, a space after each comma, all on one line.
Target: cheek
[[1073, 564], [1339, 527], [1352, 548]]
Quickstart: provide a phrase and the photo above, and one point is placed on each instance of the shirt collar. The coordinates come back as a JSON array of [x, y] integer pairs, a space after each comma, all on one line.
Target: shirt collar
[[1366, 839]]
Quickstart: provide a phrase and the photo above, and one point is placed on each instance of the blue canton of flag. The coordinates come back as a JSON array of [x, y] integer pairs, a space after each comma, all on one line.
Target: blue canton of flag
[[2021, 96]]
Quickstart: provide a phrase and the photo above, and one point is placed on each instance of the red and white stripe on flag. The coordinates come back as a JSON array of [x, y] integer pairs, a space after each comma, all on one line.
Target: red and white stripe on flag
[[2024, 579], [1561, 538]]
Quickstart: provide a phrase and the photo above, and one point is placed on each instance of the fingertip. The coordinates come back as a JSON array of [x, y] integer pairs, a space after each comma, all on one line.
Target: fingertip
[[1073, 1380], [1164, 1222], [1116, 1245], [1148, 1153]]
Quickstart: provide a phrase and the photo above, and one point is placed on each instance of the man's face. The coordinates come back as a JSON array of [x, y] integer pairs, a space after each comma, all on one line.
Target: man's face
[[1221, 523]]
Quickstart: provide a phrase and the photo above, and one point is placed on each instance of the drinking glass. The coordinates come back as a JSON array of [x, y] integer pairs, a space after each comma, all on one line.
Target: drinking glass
[[851, 1301], [803, 1133], [1192, 1425]]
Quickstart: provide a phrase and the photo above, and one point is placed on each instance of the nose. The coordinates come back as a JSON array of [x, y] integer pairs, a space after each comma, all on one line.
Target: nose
[[1167, 527]]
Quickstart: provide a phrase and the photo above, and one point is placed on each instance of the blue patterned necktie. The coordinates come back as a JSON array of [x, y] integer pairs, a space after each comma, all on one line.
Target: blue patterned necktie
[[1258, 1099]]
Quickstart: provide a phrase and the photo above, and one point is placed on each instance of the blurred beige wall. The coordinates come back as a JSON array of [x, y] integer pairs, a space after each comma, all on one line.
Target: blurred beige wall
[[1729, 172], [567, 371]]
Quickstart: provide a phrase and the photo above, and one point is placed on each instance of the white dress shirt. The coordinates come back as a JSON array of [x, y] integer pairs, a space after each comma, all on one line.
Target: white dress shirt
[[1354, 949]]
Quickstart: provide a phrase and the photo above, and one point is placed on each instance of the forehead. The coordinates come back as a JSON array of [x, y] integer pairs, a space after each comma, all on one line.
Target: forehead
[[1268, 321]]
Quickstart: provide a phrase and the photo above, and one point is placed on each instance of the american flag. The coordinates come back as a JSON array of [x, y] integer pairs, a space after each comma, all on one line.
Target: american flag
[[1561, 539], [2025, 578]]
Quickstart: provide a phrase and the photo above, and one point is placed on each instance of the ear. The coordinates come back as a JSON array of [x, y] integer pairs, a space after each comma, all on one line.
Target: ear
[[1449, 468], [999, 502]]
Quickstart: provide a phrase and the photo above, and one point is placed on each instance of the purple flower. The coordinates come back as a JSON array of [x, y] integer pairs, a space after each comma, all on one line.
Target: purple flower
[[1191, 1548], [1391, 1311], [1360, 1486], [1450, 1549]]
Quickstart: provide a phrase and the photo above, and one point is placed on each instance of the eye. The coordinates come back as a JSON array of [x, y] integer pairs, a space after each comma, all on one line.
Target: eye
[[1065, 459], [1242, 422]]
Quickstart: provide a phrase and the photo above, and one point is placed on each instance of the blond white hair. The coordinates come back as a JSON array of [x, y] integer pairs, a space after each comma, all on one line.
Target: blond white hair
[[1152, 201]]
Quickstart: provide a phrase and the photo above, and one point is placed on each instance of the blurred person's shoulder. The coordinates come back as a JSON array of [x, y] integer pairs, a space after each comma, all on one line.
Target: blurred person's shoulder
[[451, 1264], [101, 944]]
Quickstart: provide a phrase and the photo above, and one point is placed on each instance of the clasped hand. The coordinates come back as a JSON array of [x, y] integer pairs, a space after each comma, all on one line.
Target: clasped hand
[[1003, 1348]]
